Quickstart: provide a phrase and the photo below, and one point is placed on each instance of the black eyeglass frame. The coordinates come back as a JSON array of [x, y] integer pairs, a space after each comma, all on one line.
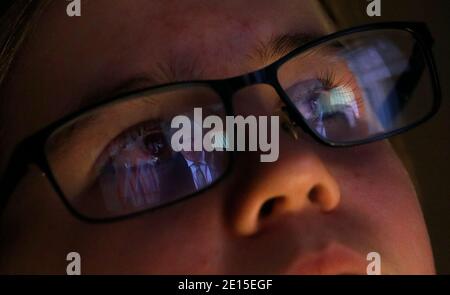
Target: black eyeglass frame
[[32, 149]]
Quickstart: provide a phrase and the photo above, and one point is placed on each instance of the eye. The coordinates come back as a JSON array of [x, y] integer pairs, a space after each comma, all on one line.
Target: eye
[[144, 142], [329, 104]]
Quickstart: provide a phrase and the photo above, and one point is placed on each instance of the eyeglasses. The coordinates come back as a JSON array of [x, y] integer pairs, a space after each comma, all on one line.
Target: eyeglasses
[[114, 159]]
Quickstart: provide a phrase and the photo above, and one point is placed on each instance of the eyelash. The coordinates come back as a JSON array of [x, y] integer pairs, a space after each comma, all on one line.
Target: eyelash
[[330, 80]]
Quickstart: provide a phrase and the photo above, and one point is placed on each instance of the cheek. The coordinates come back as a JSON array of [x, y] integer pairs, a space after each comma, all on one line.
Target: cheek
[[377, 188], [180, 239]]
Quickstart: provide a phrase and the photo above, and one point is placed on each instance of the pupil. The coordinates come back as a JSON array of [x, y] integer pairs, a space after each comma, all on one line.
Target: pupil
[[154, 143]]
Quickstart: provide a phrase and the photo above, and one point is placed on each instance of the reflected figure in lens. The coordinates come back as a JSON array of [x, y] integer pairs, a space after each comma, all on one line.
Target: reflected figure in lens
[[201, 166]]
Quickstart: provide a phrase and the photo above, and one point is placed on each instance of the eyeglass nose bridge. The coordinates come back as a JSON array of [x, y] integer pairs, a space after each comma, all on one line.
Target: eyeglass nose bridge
[[228, 87], [258, 77], [231, 85]]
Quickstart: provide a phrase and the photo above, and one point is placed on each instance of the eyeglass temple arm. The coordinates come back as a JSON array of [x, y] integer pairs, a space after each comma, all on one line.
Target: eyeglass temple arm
[[14, 172]]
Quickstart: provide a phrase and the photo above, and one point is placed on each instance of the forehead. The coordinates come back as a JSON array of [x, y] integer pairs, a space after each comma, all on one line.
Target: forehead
[[67, 59], [134, 35]]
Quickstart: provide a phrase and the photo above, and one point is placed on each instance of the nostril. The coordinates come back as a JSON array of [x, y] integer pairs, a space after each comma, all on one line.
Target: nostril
[[268, 207], [320, 196], [313, 194]]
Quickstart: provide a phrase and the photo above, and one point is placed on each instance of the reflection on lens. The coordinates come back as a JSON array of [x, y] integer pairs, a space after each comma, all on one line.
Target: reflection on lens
[[360, 86], [117, 159]]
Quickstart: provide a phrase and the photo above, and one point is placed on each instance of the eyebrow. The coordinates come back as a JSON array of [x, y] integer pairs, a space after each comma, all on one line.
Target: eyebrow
[[166, 72], [280, 45]]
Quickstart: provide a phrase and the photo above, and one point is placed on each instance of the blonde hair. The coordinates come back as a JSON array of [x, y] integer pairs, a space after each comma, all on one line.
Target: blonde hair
[[15, 24]]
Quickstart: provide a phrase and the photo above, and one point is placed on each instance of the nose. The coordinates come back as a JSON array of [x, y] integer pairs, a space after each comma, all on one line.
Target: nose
[[298, 181], [266, 191]]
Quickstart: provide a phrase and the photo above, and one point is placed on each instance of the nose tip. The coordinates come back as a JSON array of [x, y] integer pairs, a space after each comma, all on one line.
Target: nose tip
[[286, 188]]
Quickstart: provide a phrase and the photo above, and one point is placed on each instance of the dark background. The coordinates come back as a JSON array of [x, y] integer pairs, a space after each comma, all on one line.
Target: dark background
[[425, 150]]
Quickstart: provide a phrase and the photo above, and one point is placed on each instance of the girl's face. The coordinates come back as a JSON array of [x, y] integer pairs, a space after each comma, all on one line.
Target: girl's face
[[332, 206]]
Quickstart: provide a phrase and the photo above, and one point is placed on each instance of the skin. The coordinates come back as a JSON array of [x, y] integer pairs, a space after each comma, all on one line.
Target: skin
[[362, 199]]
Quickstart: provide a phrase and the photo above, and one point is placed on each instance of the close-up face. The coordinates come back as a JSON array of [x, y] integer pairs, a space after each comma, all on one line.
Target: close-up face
[[316, 209]]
